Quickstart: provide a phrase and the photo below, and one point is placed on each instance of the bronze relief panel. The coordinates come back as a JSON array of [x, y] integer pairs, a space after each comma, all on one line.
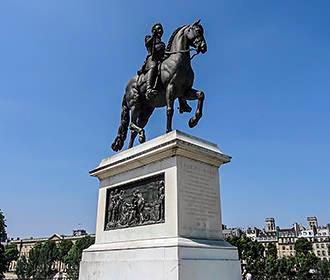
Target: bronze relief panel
[[137, 203]]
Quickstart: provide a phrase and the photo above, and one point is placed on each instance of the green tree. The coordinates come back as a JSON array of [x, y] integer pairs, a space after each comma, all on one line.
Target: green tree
[[47, 258], [11, 253], [74, 255], [286, 267], [271, 250], [235, 240], [63, 248], [306, 263], [3, 238], [3, 264], [303, 246], [323, 269], [40, 263], [251, 253], [271, 264], [23, 269], [3, 233], [32, 268]]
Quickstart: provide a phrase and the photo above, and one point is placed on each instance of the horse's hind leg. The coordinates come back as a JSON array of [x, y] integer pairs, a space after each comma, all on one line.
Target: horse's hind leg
[[134, 132], [132, 138], [169, 104], [194, 94], [142, 121]]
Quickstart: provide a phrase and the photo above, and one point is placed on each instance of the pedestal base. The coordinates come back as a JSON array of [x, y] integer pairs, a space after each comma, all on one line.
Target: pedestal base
[[161, 259], [159, 214]]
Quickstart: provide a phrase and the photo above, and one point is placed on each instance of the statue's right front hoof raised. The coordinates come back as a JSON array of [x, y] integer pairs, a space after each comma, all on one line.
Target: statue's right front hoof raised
[[192, 122], [184, 108]]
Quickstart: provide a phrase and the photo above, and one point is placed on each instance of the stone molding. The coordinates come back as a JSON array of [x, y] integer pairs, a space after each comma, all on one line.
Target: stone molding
[[168, 145]]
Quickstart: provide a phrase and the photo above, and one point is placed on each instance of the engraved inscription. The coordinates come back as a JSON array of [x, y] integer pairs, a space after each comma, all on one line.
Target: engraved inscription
[[138, 203], [200, 197]]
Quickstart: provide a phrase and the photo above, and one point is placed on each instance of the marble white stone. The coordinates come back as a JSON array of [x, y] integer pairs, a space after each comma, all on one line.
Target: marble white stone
[[189, 245], [162, 259]]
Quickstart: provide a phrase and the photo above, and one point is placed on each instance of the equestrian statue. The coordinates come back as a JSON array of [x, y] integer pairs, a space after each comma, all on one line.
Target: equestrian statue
[[165, 75]]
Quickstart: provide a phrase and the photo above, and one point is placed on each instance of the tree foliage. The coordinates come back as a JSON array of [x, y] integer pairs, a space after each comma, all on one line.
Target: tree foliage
[[63, 249], [42, 257], [303, 246], [3, 266], [271, 250], [323, 269], [40, 263], [266, 265], [11, 253], [251, 252], [73, 258], [3, 237], [23, 268], [3, 233]]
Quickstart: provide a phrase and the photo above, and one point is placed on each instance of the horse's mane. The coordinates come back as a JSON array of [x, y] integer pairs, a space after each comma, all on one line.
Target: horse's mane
[[170, 41]]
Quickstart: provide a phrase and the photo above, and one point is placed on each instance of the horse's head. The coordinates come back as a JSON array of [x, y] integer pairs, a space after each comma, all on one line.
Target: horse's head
[[195, 35]]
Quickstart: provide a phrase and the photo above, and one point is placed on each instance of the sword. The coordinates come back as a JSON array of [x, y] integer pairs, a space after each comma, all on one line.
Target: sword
[[153, 46]]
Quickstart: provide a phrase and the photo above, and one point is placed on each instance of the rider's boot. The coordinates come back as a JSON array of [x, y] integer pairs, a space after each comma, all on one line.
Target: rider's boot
[[151, 93], [184, 106]]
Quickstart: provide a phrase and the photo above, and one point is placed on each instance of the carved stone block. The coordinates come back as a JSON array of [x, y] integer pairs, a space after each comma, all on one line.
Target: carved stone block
[[135, 204]]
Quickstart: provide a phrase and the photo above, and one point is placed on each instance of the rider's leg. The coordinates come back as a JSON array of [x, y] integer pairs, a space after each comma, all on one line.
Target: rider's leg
[[151, 77]]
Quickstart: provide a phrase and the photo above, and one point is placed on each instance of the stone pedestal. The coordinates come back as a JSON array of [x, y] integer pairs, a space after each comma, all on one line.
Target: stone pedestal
[[159, 214]]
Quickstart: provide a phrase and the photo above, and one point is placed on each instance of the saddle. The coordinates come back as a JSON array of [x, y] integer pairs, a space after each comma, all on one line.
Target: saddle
[[142, 73]]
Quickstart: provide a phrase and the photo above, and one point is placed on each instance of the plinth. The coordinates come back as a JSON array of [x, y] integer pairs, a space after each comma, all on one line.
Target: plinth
[[159, 214]]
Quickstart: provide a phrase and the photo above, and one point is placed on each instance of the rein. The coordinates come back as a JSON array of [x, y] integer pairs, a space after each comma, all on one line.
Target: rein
[[185, 51]]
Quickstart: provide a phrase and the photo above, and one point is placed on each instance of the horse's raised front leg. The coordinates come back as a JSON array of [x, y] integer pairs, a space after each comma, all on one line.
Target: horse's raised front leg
[[194, 94], [169, 104]]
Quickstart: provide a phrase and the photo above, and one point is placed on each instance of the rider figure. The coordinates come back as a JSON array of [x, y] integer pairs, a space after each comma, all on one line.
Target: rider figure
[[156, 54]]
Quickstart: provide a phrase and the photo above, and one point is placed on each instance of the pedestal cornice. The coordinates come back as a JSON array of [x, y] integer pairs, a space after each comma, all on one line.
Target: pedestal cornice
[[175, 143]]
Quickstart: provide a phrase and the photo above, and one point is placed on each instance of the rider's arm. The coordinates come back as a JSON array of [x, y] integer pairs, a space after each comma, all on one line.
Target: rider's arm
[[148, 41]]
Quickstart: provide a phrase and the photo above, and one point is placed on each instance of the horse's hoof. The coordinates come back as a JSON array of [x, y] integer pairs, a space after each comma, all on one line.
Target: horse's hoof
[[184, 108], [168, 130], [117, 145], [192, 123]]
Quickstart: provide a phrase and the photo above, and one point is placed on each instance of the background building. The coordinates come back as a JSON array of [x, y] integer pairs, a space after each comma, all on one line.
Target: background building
[[25, 245], [285, 238]]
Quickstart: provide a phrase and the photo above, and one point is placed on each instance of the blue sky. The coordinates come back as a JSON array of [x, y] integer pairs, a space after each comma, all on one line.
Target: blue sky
[[63, 69]]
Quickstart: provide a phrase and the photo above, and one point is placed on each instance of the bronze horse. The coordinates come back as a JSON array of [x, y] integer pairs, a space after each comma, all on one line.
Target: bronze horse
[[175, 80]]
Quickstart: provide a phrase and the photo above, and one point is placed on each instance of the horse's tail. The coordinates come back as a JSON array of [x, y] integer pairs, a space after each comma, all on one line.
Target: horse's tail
[[118, 143]]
